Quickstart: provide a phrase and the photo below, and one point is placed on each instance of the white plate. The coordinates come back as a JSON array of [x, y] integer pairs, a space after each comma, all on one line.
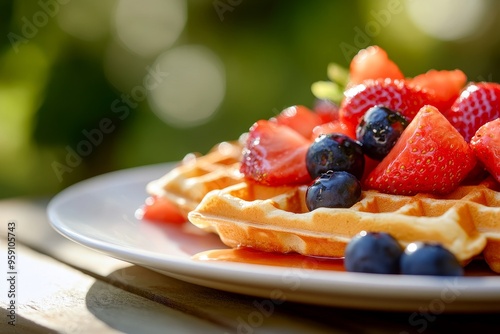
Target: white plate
[[99, 213]]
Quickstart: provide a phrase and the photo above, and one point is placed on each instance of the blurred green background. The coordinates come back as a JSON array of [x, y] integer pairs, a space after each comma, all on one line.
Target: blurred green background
[[91, 86]]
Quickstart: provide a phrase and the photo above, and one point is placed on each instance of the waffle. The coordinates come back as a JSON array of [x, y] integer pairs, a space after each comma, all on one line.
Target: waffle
[[196, 175], [277, 220]]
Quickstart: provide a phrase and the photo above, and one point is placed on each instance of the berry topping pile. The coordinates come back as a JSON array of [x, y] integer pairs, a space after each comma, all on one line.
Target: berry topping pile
[[372, 128], [395, 134]]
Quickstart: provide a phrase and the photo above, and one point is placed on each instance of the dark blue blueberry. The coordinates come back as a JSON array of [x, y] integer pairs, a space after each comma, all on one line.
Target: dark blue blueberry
[[373, 252], [421, 258], [379, 130], [336, 152], [333, 190]]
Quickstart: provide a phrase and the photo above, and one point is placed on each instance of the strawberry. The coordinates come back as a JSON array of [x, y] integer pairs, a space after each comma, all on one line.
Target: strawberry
[[300, 118], [486, 146], [370, 164], [327, 110], [333, 127], [372, 63], [430, 156], [445, 86], [478, 104], [275, 155], [161, 210], [397, 95]]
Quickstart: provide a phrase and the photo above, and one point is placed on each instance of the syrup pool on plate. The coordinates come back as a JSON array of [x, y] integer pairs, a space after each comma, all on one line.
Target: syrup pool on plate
[[248, 255]]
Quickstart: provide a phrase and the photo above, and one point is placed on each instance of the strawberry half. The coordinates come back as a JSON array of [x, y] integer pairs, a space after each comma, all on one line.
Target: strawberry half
[[397, 95], [333, 127], [478, 104], [430, 157], [300, 118], [275, 155], [327, 111], [444, 85], [372, 63], [486, 146]]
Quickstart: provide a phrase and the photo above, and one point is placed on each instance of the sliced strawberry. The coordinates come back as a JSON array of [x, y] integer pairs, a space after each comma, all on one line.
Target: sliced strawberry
[[161, 210], [478, 104], [486, 146], [333, 127], [430, 157], [372, 63], [397, 95], [370, 164], [300, 118], [327, 110], [275, 155], [445, 86]]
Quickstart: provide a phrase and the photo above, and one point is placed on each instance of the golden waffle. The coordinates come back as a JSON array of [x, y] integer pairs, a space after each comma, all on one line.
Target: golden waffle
[[195, 176], [277, 220]]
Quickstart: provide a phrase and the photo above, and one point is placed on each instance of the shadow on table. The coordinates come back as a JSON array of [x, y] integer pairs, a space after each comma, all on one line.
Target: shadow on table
[[136, 299], [134, 296]]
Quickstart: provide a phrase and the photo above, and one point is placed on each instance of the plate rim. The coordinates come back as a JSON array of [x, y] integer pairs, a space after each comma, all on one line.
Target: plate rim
[[315, 281]]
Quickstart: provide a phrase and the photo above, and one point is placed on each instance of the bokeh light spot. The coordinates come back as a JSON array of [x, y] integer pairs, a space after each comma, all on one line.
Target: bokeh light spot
[[87, 20], [193, 88], [150, 26], [449, 19]]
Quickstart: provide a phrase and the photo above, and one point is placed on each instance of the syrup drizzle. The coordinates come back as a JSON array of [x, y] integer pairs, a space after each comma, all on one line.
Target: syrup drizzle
[[293, 260]]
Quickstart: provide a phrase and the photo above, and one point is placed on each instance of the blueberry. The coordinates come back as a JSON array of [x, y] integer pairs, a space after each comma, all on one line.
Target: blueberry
[[336, 152], [379, 130], [421, 258], [373, 252], [333, 190]]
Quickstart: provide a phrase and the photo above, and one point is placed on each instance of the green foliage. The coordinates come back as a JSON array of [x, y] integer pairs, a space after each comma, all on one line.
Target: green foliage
[[75, 99]]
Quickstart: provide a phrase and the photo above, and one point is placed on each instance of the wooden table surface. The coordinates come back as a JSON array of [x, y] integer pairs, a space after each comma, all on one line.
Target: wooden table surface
[[62, 287]]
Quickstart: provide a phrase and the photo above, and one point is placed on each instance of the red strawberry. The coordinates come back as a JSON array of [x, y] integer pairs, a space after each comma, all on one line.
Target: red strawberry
[[333, 127], [397, 95], [478, 104], [430, 156], [327, 110], [275, 155], [300, 118], [486, 146], [161, 210], [372, 63], [370, 164], [445, 86]]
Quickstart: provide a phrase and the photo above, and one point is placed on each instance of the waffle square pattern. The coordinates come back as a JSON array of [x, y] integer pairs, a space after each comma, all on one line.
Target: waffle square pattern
[[196, 175]]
